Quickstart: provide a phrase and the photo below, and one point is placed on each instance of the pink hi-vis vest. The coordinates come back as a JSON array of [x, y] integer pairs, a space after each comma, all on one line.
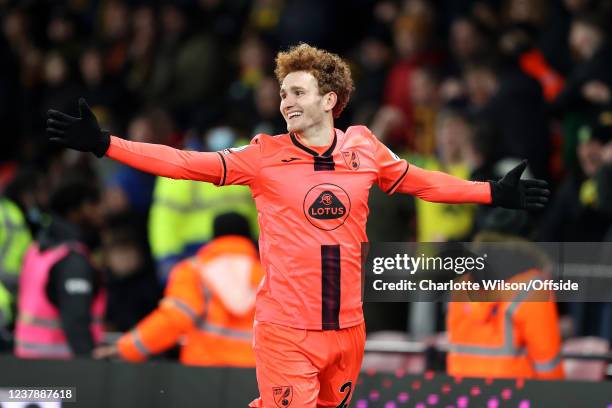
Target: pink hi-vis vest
[[38, 330]]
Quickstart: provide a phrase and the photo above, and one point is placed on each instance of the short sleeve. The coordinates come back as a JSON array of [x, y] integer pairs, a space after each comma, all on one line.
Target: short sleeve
[[240, 164], [391, 168]]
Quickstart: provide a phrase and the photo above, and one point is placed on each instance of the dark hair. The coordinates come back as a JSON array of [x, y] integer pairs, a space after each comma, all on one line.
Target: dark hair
[[489, 62], [434, 74], [124, 228], [231, 223], [487, 140], [592, 20], [72, 193], [27, 179]]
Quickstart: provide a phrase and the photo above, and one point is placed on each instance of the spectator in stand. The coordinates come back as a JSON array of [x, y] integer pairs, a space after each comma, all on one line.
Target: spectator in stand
[[141, 51], [266, 100], [582, 211], [512, 102], [425, 94], [113, 36], [588, 86], [252, 83], [411, 36], [20, 219], [133, 288], [264, 17], [488, 161], [438, 222], [108, 98], [372, 66], [517, 44], [576, 212], [554, 33], [189, 68], [63, 34], [60, 87], [130, 189], [467, 43]]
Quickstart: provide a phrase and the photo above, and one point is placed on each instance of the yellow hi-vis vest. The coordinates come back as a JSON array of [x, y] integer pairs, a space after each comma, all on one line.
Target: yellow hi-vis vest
[[6, 315], [183, 211], [15, 238], [442, 222]]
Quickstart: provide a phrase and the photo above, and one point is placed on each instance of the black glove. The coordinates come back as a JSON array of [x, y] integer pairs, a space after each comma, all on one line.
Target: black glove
[[512, 192], [83, 134]]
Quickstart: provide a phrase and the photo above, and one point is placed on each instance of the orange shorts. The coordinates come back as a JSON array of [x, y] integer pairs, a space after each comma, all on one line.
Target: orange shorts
[[298, 368]]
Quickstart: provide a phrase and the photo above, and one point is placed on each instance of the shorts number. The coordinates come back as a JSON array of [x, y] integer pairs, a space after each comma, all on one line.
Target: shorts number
[[347, 397]]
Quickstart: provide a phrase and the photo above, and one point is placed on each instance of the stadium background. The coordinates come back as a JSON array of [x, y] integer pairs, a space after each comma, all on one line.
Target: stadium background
[[468, 87]]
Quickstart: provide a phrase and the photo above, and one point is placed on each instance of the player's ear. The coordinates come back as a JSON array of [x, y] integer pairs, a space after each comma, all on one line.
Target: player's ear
[[330, 100]]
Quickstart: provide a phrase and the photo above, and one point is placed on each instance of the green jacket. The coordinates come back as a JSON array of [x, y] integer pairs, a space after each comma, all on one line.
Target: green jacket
[[6, 315], [15, 238]]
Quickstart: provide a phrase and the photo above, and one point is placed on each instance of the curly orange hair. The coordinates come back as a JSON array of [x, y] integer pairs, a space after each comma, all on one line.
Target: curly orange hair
[[330, 71]]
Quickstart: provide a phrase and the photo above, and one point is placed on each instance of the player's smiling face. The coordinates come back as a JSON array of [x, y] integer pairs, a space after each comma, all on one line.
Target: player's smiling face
[[302, 105]]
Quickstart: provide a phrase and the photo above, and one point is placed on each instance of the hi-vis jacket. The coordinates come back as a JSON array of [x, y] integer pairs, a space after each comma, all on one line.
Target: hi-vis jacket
[[6, 315], [38, 331], [14, 241], [182, 214], [209, 307], [517, 338]]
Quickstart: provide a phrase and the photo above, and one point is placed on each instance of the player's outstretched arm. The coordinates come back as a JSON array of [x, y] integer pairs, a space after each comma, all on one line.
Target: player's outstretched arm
[[84, 134], [509, 192]]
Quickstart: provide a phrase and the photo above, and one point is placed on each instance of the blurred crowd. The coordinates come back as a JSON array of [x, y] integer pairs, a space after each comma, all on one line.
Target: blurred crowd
[[468, 87]]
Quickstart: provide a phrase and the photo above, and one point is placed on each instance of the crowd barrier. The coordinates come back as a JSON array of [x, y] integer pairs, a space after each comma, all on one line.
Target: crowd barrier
[[99, 384]]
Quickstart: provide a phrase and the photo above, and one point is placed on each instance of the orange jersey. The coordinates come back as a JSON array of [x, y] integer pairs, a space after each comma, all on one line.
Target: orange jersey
[[313, 208]]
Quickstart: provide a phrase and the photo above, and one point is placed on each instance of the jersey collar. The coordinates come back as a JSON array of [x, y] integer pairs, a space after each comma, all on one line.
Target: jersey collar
[[308, 150]]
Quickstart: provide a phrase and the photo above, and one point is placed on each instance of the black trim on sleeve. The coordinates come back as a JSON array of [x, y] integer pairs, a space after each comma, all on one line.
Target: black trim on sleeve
[[398, 180], [224, 169]]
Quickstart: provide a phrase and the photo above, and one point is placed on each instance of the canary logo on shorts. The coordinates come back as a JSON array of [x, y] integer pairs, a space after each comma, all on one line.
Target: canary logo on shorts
[[283, 395]]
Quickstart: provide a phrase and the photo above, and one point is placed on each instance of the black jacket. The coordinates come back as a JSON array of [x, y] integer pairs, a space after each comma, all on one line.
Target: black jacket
[[569, 220], [599, 68], [72, 286], [517, 112]]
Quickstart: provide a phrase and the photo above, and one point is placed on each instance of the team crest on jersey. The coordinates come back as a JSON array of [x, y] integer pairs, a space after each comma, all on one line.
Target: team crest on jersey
[[327, 206], [351, 159], [282, 395]]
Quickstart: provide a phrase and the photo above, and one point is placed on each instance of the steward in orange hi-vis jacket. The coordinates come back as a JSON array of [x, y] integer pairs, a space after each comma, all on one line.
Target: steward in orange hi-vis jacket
[[516, 337], [209, 307]]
